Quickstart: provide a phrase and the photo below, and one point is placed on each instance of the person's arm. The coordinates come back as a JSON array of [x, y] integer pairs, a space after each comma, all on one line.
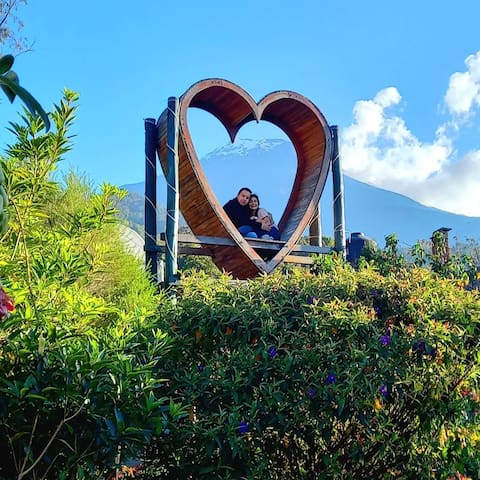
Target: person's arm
[[265, 219], [266, 222]]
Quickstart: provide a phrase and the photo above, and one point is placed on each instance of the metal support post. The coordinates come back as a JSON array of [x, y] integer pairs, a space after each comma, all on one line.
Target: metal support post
[[151, 254], [338, 200], [171, 233]]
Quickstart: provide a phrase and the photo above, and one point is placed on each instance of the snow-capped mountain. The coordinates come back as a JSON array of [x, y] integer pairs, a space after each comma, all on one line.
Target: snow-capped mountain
[[268, 167], [245, 146]]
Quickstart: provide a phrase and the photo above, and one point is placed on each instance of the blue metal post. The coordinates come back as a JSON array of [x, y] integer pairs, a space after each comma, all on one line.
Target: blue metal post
[[171, 233], [338, 201], [151, 254]]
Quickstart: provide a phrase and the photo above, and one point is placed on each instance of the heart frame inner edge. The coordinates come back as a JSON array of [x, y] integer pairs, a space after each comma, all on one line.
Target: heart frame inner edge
[[309, 133]]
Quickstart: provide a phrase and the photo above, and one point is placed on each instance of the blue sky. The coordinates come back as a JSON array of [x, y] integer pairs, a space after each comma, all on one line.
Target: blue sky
[[401, 79]]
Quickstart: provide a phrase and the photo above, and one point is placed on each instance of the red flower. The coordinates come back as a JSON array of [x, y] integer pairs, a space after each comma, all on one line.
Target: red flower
[[6, 304]]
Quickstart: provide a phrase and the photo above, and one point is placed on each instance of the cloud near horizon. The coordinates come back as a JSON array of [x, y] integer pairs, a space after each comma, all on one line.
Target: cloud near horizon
[[379, 149]]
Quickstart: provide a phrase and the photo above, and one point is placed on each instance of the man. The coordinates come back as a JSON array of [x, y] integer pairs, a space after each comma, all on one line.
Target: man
[[239, 213]]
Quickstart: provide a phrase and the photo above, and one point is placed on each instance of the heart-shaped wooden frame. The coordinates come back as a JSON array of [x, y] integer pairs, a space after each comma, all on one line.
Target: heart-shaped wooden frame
[[310, 135]]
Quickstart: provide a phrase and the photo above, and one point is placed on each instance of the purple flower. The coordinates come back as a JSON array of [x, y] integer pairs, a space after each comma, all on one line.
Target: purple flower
[[311, 300], [385, 340], [383, 390], [243, 427], [311, 392], [374, 292], [377, 310], [272, 352], [201, 367], [331, 378]]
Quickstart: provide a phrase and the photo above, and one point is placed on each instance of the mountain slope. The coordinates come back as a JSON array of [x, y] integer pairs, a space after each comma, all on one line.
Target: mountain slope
[[268, 167]]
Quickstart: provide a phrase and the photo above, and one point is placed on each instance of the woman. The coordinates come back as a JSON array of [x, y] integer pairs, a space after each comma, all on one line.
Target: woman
[[266, 227]]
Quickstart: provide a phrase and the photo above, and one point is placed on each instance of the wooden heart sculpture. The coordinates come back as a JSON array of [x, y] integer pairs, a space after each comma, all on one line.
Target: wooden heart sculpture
[[310, 135]]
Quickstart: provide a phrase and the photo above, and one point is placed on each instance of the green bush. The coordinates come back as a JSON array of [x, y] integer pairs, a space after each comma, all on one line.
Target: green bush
[[79, 393], [75, 405], [344, 375]]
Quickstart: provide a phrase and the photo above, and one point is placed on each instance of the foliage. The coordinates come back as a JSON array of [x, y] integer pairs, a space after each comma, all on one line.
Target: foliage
[[436, 256], [78, 361], [3, 204], [470, 248], [441, 261], [73, 401], [344, 374], [191, 263], [10, 84], [132, 211], [389, 259]]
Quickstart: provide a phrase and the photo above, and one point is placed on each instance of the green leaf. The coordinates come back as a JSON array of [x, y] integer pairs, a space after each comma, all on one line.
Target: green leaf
[[10, 85], [6, 63], [12, 77], [120, 419], [17, 436], [341, 405], [36, 396], [111, 427]]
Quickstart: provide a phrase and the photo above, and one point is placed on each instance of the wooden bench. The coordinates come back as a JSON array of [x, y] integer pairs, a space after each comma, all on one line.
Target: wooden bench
[[189, 244]]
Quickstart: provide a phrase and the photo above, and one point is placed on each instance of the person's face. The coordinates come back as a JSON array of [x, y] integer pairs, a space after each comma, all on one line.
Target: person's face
[[243, 197], [253, 203]]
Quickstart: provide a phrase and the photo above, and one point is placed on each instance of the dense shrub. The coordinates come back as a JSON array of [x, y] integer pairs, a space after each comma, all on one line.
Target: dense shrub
[[78, 356], [74, 405], [339, 375]]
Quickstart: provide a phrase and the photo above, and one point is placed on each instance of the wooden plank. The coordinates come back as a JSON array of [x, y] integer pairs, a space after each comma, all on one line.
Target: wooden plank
[[257, 243], [298, 259], [205, 252]]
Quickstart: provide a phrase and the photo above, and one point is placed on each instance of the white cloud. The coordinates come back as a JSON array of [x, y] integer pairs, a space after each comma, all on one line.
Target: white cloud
[[379, 149], [464, 88], [456, 189]]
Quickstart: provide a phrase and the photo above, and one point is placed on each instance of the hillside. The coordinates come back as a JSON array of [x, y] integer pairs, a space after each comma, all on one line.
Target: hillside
[[268, 168]]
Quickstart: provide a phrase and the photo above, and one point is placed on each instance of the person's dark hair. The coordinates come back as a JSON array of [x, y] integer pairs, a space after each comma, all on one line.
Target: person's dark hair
[[254, 195], [254, 211], [244, 188]]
